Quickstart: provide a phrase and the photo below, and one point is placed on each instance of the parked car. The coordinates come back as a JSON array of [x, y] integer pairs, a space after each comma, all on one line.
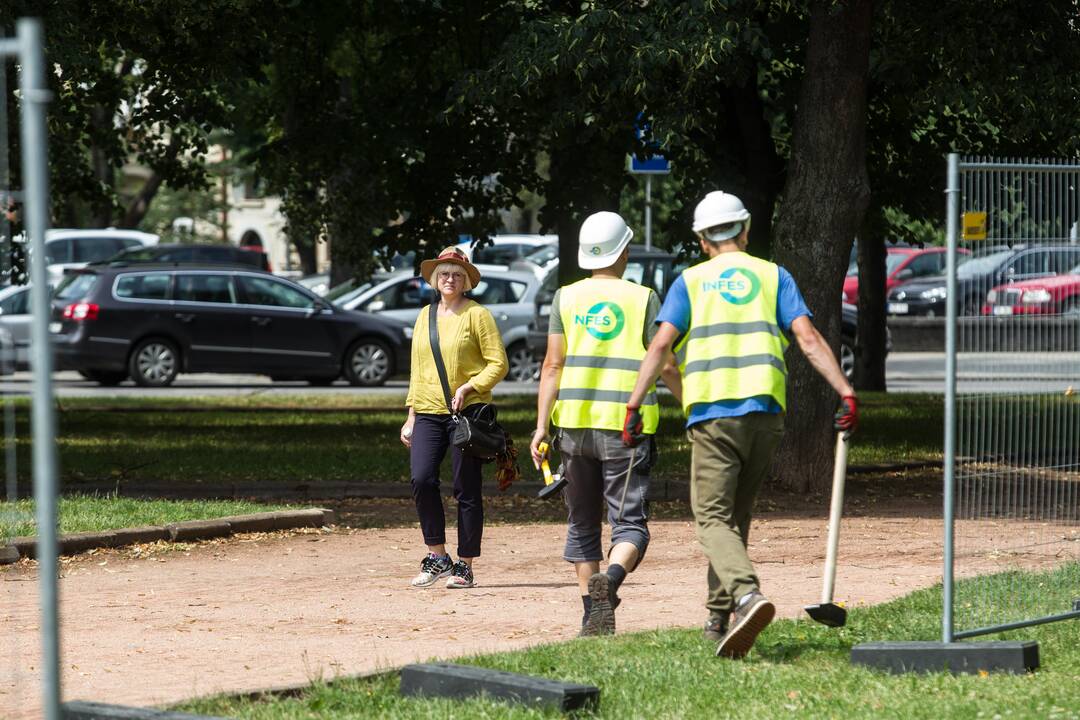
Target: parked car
[[319, 283], [151, 322], [204, 253], [72, 249], [656, 269], [976, 276], [15, 320], [902, 264], [508, 295], [1056, 295], [504, 249]]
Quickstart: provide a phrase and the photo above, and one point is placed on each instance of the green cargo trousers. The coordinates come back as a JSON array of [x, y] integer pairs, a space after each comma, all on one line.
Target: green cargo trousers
[[730, 458]]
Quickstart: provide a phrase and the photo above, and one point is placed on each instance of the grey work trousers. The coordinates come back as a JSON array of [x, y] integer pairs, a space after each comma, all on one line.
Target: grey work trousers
[[596, 464]]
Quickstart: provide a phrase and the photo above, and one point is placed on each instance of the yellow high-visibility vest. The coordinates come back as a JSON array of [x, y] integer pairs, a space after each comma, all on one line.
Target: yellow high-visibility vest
[[733, 349], [604, 323]]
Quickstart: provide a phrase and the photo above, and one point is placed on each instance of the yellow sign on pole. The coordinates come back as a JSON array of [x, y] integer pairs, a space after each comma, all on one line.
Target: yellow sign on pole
[[974, 224]]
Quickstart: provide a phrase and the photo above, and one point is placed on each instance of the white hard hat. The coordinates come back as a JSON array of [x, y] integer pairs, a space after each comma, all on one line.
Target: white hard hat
[[720, 208], [602, 238]]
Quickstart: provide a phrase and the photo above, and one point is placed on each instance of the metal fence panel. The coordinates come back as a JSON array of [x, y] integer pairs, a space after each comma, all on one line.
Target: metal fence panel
[[1013, 393]]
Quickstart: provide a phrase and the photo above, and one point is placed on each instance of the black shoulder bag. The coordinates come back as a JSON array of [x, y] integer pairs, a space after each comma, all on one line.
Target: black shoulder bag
[[476, 429]]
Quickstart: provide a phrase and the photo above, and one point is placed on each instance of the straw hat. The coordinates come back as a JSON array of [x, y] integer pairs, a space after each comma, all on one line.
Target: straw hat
[[450, 255]]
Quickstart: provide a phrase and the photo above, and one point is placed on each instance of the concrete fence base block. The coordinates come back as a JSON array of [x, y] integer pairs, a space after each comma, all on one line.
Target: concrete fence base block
[[9, 554], [465, 681], [1016, 657], [134, 536], [192, 530], [79, 710]]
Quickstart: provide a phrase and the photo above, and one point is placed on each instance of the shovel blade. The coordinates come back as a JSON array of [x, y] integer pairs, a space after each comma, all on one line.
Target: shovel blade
[[828, 614], [552, 489]]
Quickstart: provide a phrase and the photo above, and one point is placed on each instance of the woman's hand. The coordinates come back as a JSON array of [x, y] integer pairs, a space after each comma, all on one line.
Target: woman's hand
[[534, 447], [406, 431], [459, 397]]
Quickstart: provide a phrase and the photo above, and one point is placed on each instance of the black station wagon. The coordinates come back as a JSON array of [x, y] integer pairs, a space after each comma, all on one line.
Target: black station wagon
[[151, 322]]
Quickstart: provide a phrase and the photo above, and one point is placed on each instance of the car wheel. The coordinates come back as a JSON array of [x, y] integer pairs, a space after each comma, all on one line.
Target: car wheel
[[320, 381], [847, 357], [368, 363], [1071, 308], [154, 363], [971, 306], [108, 378], [524, 367]]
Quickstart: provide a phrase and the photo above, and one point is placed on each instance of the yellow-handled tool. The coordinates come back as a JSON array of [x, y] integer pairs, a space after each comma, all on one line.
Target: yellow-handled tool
[[553, 483]]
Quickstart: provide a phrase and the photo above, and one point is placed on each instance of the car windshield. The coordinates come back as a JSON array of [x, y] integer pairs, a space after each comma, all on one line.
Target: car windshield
[[543, 255], [134, 255], [348, 295], [75, 287], [892, 261], [982, 265]]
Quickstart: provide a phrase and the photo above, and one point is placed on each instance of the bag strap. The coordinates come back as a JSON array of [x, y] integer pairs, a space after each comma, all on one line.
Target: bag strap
[[433, 335]]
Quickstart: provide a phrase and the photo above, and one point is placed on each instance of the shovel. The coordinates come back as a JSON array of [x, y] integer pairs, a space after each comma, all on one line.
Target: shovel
[[827, 612]]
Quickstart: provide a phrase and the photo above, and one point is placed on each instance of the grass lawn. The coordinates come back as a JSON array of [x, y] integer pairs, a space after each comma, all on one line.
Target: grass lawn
[[313, 439], [85, 513], [798, 669]]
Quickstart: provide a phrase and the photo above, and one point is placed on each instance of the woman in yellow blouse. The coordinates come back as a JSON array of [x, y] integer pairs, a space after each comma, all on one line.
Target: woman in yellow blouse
[[475, 361]]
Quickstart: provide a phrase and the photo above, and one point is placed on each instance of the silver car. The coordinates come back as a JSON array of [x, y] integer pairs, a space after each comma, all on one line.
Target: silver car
[[15, 320], [508, 295]]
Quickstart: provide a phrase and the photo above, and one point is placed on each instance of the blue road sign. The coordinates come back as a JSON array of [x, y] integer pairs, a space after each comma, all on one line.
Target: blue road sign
[[652, 165]]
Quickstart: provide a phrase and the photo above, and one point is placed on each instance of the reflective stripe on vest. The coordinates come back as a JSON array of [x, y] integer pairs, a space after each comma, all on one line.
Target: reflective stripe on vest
[[734, 349], [603, 323]]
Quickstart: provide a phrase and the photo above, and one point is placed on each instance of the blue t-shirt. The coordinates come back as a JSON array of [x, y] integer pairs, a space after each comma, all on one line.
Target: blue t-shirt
[[676, 310]]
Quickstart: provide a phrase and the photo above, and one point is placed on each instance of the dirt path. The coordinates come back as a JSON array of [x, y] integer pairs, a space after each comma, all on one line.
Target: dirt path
[[256, 612]]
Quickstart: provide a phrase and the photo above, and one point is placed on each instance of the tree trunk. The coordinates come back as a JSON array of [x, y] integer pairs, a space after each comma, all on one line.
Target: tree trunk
[[871, 338], [825, 197], [308, 257], [761, 166], [103, 169], [136, 211]]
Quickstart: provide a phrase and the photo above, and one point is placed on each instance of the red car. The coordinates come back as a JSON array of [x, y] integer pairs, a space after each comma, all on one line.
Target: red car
[[1054, 295], [901, 264]]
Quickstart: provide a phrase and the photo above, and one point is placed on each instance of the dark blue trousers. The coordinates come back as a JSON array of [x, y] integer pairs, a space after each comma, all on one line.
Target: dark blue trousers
[[430, 442]]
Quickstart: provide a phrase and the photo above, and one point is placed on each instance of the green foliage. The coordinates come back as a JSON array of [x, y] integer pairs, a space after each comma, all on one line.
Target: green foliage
[[797, 669]]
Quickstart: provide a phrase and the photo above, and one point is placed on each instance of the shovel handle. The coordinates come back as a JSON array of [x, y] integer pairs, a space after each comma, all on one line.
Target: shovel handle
[[836, 507]]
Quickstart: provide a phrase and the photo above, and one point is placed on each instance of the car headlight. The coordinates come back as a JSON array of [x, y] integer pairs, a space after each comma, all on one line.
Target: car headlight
[[407, 332], [937, 293], [1038, 295]]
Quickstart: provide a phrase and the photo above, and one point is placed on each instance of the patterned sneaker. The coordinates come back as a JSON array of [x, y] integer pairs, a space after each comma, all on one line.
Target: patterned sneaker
[[460, 577], [751, 616], [601, 620], [432, 568], [715, 628]]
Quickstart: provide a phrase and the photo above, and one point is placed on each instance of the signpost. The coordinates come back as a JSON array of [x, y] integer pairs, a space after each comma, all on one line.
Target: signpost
[[652, 165]]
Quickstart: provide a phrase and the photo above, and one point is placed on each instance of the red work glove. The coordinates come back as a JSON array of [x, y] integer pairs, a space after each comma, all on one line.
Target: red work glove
[[847, 417], [632, 427]]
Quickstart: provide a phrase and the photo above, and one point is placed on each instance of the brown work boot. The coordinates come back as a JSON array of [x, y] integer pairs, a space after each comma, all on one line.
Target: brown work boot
[[601, 620], [751, 616], [716, 628]]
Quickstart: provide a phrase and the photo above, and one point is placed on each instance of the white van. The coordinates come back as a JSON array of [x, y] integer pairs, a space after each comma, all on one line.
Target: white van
[[75, 248]]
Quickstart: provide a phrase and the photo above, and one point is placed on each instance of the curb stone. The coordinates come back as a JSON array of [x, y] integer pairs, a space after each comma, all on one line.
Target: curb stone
[[79, 710], [8, 554], [187, 531]]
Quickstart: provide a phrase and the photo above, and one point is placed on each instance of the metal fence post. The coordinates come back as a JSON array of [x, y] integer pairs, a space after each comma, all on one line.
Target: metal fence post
[[34, 137], [952, 195]]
